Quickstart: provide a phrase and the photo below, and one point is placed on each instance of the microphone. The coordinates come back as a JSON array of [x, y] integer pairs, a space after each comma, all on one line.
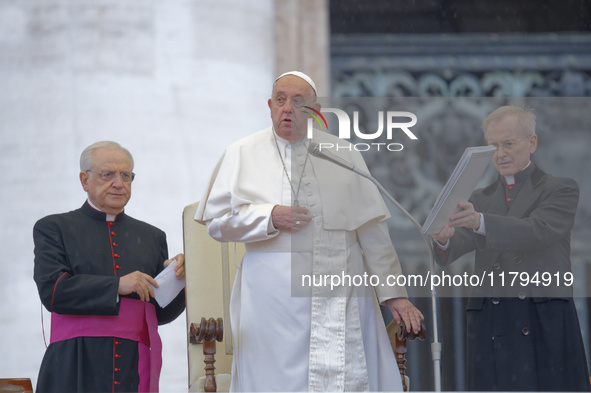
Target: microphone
[[316, 151]]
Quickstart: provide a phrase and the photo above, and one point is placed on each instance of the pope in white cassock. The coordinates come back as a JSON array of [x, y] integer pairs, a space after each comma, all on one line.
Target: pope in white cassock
[[303, 219]]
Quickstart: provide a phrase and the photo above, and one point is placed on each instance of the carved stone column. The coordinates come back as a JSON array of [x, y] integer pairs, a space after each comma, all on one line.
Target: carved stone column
[[302, 31]]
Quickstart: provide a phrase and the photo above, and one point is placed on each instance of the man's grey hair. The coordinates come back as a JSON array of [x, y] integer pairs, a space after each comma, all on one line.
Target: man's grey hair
[[525, 116], [86, 156]]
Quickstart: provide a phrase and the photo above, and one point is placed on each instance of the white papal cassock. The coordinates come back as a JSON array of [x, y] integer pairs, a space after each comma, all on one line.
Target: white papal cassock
[[289, 335]]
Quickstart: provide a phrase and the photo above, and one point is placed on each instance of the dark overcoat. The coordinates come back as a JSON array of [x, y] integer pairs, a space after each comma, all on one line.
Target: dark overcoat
[[522, 337]]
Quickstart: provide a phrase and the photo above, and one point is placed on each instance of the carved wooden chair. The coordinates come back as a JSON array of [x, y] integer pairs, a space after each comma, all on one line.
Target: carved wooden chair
[[210, 270], [398, 338], [16, 385]]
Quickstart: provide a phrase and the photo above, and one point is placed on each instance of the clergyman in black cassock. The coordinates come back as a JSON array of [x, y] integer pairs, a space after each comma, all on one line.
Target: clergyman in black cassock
[[81, 259]]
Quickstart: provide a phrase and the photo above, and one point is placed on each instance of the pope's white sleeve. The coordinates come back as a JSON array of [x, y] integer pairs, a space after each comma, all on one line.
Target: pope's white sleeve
[[380, 258], [251, 223]]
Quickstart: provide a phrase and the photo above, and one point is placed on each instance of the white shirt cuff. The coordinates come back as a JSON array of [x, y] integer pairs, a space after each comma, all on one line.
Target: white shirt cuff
[[442, 246], [482, 228]]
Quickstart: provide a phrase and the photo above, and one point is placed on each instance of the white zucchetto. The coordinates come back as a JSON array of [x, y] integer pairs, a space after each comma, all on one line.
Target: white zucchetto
[[299, 75]]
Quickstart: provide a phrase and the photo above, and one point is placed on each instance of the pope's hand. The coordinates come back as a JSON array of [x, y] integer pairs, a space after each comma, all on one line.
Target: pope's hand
[[290, 218], [404, 311]]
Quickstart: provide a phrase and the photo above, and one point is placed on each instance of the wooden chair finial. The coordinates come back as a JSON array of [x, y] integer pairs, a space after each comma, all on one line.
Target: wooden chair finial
[[207, 333]]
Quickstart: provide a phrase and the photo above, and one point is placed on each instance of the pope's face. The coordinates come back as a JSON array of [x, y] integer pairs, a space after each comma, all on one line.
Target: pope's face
[[290, 95], [514, 146], [112, 195]]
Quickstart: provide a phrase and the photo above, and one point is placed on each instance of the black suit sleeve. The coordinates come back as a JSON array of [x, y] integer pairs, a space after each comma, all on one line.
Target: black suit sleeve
[[60, 289], [462, 242], [548, 221]]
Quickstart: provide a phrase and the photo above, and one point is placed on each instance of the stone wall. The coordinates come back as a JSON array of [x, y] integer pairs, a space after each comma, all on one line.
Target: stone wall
[[173, 81]]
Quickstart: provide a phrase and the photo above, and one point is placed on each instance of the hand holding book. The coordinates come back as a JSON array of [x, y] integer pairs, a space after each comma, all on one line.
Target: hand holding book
[[459, 186]]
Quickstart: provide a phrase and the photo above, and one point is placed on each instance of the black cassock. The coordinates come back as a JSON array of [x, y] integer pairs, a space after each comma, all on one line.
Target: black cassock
[[79, 257]]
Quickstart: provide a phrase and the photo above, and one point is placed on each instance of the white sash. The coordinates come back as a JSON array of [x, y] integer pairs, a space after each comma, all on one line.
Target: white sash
[[337, 357]]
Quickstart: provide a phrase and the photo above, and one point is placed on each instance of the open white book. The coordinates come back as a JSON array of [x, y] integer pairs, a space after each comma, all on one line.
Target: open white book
[[459, 186]]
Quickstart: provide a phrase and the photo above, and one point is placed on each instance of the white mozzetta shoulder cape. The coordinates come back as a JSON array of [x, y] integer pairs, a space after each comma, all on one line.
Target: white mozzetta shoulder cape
[[240, 185]]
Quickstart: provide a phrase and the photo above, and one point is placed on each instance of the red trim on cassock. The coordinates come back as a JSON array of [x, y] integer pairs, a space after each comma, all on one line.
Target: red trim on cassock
[[54, 287]]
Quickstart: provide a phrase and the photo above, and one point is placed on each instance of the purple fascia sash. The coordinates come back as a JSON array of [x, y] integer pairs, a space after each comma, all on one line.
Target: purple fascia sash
[[136, 321]]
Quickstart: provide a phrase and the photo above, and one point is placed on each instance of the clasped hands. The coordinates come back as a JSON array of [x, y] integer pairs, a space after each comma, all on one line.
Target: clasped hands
[[467, 217], [290, 218], [141, 283]]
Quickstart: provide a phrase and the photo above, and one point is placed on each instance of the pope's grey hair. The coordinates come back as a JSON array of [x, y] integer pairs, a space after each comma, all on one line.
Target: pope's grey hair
[[86, 156]]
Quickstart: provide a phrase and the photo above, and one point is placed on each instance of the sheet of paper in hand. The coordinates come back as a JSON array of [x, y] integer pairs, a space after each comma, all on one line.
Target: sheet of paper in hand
[[168, 285]]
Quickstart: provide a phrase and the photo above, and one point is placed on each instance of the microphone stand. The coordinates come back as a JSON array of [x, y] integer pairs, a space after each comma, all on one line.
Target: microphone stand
[[435, 345]]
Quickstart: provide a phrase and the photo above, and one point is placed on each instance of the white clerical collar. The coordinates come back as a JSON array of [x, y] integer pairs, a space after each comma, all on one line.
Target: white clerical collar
[[285, 142], [279, 139], [510, 180], [109, 217]]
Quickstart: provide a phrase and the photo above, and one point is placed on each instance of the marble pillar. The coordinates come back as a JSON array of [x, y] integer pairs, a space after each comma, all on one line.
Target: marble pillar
[[302, 40]]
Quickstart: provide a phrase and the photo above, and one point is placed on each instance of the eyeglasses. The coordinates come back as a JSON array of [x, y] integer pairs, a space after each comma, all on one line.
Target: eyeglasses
[[106, 176], [509, 145], [297, 101]]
